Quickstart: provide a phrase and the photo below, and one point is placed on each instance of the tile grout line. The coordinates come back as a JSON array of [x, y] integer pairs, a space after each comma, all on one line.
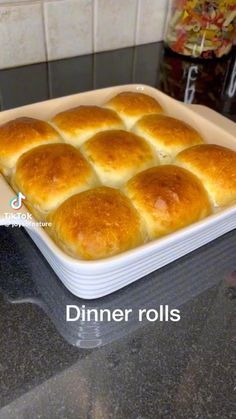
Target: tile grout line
[[137, 20], [45, 40], [46, 43], [94, 23]]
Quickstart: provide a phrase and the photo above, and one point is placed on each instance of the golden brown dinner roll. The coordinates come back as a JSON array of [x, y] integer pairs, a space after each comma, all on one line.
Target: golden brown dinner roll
[[133, 105], [117, 155], [168, 197], [96, 224], [168, 135], [49, 174], [79, 124], [216, 168], [19, 136]]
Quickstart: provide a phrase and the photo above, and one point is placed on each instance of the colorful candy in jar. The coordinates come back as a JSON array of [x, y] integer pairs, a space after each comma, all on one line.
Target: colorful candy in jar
[[201, 28]]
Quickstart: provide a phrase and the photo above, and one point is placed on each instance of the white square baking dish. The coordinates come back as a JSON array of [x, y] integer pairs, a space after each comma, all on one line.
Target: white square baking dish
[[94, 279]]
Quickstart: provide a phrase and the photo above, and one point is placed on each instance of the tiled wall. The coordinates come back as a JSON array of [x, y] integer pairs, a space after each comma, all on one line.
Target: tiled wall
[[39, 30]]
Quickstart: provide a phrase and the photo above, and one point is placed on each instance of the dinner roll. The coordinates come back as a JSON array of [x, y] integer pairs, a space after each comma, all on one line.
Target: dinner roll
[[216, 168], [168, 197], [19, 136], [49, 174], [117, 155], [79, 124], [96, 224], [168, 135], [133, 105]]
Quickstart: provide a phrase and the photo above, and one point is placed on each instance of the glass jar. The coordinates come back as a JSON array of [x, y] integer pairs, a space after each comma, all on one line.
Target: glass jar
[[210, 83], [200, 28]]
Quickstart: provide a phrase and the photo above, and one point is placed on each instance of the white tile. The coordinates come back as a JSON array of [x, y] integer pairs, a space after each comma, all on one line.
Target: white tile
[[14, 1], [115, 24], [69, 28], [151, 21], [21, 35]]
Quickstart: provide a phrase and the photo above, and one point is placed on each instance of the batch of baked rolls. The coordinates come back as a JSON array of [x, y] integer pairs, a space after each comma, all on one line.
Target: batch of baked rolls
[[111, 178]]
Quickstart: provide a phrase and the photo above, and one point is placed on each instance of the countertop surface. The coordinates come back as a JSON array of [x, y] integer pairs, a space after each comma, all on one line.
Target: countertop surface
[[50, 368]]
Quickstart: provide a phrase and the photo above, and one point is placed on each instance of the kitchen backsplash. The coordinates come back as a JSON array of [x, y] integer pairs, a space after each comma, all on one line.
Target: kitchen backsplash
[[41, 30]]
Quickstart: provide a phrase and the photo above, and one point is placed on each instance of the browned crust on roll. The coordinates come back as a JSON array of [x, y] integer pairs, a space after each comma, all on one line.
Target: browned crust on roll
[[134, 104], [117, 155], [167, 134], [77, 124], [97, 223], [22, 134], [51, 173], [168, 197], [215, 166]]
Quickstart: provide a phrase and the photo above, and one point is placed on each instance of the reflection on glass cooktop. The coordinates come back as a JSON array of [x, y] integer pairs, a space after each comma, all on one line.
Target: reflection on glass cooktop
[[25, 277], [208, 82]]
